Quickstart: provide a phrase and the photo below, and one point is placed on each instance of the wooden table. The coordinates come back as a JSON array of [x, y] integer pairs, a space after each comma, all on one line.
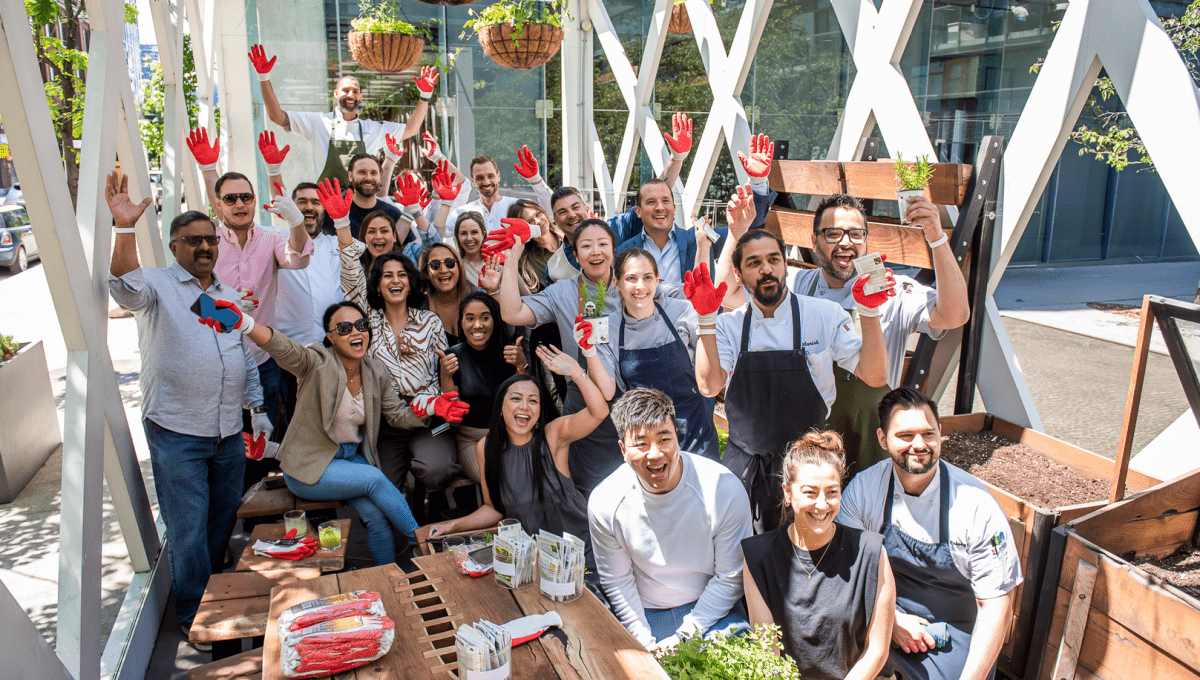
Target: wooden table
[[262, 502], [325, 560], [235, 606], [428, 604]]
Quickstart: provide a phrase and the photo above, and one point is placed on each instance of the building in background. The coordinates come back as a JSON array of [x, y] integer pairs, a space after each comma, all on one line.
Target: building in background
[[132, 40], [149, 57]]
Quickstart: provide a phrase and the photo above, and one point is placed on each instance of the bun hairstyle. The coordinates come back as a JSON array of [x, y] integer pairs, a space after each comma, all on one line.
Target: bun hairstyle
[[815, 448]]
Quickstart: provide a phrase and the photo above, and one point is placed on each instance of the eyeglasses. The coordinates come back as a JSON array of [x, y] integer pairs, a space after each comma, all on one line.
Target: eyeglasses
[[195, 241], [435, 265], [344, 327], [836, 234], [232, 199]]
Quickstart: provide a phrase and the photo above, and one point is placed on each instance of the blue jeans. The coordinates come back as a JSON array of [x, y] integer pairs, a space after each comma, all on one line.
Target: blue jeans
[[665, 622], [199, 485], [363, 486], [271, 377]]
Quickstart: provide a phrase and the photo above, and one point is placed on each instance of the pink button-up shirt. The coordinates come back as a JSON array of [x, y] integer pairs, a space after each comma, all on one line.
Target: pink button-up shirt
[[255, 268]]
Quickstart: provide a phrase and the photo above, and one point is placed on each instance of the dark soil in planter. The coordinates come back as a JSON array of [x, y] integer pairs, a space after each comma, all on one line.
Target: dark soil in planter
[[1021, 470], [1181, 569]]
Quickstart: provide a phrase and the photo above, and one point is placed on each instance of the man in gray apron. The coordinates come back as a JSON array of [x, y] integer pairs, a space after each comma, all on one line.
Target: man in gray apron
[[337, 136], [774, 357], [839, 236], [948, 542]]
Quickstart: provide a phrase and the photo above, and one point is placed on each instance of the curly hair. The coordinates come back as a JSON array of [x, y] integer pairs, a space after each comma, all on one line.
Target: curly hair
[[814, 448]]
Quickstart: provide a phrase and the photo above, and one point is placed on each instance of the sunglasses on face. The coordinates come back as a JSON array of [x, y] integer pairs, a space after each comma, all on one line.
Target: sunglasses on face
[[232, 199], [195, 241], [835, 235], [435, 265], [344, 327]]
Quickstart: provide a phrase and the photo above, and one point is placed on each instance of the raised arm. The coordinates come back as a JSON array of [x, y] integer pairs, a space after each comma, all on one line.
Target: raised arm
[[426, 82], [206, 156], [258, 57], [125, 215], [706, 300], [562, 431], [393, 150], [741, 214], [595, 366], [512, 309], [273, 158], [297, 250], [951, 309], [872, 359], [527, 167], [680, 145]]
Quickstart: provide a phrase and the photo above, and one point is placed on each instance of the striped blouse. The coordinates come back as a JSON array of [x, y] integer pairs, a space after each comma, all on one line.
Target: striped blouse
[[413, 361]]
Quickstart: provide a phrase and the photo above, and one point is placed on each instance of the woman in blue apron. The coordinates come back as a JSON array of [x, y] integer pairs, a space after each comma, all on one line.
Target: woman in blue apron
[[929, 585], [650, 349]]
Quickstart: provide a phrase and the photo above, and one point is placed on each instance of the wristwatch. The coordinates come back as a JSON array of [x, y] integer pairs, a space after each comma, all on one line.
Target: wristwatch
[[258, 410]]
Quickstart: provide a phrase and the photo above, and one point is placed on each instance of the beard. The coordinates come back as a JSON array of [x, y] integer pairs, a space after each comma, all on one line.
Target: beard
[[348, 105], [764, 299], [830, 268], [905, 462], [366, 188]]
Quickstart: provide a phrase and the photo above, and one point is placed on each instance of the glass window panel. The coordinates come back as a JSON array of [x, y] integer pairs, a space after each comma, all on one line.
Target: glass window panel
[[1079, 209]]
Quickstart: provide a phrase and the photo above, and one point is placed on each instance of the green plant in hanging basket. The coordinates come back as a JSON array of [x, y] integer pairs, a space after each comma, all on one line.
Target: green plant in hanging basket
[[746, 657], [380, 16], [516, 13], [519, 34]]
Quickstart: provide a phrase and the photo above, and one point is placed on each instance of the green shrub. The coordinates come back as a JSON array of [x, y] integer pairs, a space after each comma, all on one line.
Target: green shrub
[[913, 175], [379, 16], [748, 657], [8, 348]]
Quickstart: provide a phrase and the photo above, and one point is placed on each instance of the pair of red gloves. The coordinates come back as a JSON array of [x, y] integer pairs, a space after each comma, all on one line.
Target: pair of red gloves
[[706, 298]]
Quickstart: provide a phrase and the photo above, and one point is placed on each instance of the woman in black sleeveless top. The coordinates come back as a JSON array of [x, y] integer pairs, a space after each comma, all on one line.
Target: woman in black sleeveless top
[[828, 587]]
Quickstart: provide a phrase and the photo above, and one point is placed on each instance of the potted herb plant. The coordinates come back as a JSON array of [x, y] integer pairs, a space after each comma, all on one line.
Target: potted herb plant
[[382, 41], [29, 430], [593, 311], [520, 34], [911, 179], [738, 657]]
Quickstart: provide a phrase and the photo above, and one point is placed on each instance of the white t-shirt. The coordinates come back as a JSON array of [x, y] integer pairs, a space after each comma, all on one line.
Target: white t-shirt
[[900, 316], [981, 542], [318, 128], [305, 294], [666, 550], [826, 332]]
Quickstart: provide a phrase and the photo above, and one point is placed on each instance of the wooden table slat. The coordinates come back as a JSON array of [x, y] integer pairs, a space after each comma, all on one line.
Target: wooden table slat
[[260, 502], [239, 584], [231, 619], [283, 597], [325, 560], [404, 659]]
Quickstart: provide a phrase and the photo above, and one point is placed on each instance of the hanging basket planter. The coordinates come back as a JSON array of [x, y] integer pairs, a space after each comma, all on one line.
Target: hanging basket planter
[[448, 3], [385, 52], [528, 48], [680, 22]]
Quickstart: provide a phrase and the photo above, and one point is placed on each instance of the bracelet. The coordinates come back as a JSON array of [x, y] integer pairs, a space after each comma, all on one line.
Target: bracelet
[[125, 230], [939, 242]]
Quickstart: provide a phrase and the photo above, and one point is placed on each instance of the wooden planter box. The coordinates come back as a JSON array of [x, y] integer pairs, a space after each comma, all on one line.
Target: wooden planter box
[[29, 430], [534, 46], [1032, 525], [385, 52], [680, 22], [1121, 622]]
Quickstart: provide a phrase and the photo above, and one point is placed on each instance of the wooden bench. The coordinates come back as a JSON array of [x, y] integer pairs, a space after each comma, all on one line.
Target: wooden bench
[[325, 560], [260, 502], [244, 666], [235, 606]]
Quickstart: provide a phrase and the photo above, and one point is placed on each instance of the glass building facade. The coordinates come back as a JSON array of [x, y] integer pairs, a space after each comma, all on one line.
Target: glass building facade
[[968, 65]]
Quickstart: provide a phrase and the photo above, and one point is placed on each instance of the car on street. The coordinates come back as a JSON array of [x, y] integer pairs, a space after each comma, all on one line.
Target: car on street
[[14, 195], [17, 244]]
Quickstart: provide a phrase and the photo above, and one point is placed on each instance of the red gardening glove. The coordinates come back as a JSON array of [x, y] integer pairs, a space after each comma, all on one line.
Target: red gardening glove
[[392, 148], [681, 143], [409, 193], [431, 150], [254, 447], [705, 298], [206, 156], [427, 81], [514, 230], [449, 408], [583, 336], [336, 206], [443, 181], [758, 165], [528, 167], [426, 198], [244, 323], [258, 57], [868, 305], [271, 153]]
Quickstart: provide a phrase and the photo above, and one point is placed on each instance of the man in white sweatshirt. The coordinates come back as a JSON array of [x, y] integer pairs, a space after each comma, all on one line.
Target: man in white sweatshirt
[[666, 530]]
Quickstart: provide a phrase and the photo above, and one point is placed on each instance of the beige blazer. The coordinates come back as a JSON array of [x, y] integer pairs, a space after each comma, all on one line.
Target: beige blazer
[[307, 448]]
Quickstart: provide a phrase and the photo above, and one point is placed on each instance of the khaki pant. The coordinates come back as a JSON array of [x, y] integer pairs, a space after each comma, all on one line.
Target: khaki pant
[[468, 438]]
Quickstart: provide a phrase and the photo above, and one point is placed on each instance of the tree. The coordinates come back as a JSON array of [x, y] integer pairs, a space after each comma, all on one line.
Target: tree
[[154, 103]]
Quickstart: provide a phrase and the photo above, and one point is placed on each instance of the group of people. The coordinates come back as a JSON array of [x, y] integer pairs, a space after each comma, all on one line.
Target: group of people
[[577, 361]]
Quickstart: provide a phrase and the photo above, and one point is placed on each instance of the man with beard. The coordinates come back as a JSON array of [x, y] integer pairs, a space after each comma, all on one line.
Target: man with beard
[[365, 178], [774, 357], [840, 236], [948, 542], [195, 383], [340, 134], [485, 177]]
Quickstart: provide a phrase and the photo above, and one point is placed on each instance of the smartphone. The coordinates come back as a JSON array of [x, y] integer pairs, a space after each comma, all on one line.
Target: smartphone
[[274, 483], [482, 555], [205, 308]]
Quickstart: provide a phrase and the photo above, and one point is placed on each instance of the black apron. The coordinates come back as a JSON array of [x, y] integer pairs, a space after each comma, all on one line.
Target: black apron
[[930, 586], [669, 369], [339, 153], [770, 402], [855, 411]]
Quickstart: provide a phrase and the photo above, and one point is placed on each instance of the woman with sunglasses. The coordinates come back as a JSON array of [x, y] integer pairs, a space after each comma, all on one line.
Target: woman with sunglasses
[[524, 456], [537, 253], [468, 240], [331, 449], [595, 456], [652, 343], [448, 287], [476, 367], [405, 340]]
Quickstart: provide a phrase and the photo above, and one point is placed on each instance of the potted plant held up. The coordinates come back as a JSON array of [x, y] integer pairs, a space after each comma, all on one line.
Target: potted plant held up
[[911, 180], [520, 34], [593, 311], [381, 41]]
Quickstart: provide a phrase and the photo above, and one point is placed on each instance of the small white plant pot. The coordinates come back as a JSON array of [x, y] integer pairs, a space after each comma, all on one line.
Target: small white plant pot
[[599, 329], [902, 197]]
